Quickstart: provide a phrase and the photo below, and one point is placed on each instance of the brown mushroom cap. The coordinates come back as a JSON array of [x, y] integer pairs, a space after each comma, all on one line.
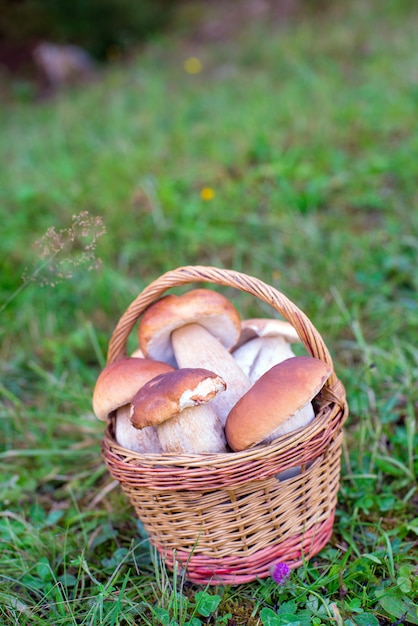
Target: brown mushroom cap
[[273, 399], [118, 382], [169, 394], [266, 327], [208, 308]]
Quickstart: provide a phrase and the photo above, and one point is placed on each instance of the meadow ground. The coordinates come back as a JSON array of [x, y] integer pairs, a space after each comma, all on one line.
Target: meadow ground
[[283, 146]]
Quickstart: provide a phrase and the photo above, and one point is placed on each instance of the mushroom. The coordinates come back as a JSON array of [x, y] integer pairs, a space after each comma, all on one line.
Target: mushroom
[[262, 344], [197, 329], [266, 327], [115, 387], [276, 403], [128, 437], [180, 405]]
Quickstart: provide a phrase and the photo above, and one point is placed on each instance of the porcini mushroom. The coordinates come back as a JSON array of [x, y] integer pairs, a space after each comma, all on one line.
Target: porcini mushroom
[[266, 327], [262, 344], [197, 329], [180, 405], [275, 404], [115, 387]]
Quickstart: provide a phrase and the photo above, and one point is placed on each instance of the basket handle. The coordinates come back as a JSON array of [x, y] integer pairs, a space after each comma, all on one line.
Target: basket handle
[[308, 334]]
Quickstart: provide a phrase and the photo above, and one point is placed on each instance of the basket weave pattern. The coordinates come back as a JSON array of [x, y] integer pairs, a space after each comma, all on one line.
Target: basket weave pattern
[[226, 517]]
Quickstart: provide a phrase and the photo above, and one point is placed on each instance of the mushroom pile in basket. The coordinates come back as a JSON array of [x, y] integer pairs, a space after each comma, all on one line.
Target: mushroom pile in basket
[[203, 381]]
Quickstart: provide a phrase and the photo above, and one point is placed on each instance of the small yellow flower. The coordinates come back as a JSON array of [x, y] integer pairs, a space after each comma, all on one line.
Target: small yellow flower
[[193, 65], [207, 194]]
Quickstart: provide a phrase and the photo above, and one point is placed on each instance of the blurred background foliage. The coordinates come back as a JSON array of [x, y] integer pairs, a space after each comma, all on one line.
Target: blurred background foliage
[[98, 26]]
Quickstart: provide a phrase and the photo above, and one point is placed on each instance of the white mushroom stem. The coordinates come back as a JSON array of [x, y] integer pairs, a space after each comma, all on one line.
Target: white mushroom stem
[[143, 441], [194, 346], [196, 430], [259, 355]]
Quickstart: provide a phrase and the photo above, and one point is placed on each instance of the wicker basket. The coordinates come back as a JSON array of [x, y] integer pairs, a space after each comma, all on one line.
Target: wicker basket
[[226, 517]]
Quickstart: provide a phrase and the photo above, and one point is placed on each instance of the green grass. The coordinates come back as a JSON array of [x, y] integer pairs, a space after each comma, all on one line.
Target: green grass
[[306, 132]]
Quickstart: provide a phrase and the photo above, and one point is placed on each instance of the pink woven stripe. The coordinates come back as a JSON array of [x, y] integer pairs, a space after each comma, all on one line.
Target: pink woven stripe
[[242, 569]]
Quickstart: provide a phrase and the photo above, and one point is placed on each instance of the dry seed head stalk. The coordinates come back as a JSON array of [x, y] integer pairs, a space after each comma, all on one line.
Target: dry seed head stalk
[[62, 251]]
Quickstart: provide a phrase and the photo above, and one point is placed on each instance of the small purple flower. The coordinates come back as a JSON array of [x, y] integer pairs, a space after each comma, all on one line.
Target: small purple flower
[[280, 572]]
